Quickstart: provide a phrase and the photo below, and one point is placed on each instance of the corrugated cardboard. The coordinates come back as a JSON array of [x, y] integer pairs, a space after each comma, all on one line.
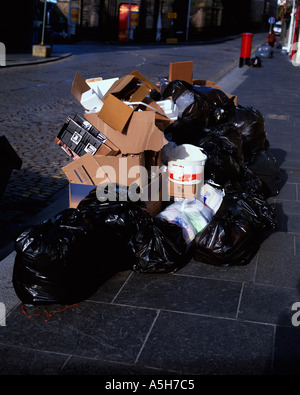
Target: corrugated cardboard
[[208, 83], [145, 80], [129, 84], [152, 195], [183, 191], [96, 169], [133, 87], [162, 121], [181, 71], [90, 92], [141, 133], [79, 86], [115, 113]]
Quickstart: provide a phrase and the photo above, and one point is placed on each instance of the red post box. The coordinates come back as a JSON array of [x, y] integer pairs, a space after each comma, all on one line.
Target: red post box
[[246, 49]]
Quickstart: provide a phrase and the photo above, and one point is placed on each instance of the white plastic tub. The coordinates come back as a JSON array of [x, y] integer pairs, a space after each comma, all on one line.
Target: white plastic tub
[[186, 165]]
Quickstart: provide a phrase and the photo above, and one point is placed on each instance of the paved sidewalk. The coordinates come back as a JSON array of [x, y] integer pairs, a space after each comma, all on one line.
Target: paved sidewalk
[[202, 319], [24, 59]]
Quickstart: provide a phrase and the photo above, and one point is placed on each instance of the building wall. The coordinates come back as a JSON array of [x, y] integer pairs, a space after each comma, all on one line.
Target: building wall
[[208, 18], [16, 24], [261, 11], [99, 19]]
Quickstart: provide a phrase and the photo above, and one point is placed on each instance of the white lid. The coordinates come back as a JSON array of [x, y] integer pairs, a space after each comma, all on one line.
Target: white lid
[[188, 152]]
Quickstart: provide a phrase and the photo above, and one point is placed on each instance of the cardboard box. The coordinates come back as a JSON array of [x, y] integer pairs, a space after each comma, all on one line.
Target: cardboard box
[[90, 92], [208, 83], [43, 51], [181, 71], [131, 131], [115, 113], [96, 169], [101, 86], [152, 195], [162, 110], [141, 133], [184, 191], [133, 87], [78, 137]]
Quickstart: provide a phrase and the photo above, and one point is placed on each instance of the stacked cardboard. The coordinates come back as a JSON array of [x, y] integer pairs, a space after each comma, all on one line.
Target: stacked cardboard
[[120, 135]]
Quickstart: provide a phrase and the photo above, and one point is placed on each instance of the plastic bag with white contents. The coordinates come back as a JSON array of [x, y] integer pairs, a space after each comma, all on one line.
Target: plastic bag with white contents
[[191, 215], [212, 196]]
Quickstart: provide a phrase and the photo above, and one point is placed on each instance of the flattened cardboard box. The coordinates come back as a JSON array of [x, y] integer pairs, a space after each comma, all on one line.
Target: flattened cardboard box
[[181, 71], [96, 169], [140, 135]]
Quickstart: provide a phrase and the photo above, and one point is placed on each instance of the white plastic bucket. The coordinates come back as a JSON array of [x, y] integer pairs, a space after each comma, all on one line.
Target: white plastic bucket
[[186, 165]]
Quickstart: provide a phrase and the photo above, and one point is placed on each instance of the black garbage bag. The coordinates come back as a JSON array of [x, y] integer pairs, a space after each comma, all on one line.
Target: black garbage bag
[[253, 208], [113, 221], [221, 106], [185, 131], [209, 105], [234, 234], [265, 167], [226, 241], [159, 247], [222, 165], [190, 103], [55, 262], [249, 181], [230, 139], [117, 211], [256, 61], [251, 124]]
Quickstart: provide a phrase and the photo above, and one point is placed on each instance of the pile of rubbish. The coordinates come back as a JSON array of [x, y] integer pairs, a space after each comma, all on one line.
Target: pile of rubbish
[[220, 216]]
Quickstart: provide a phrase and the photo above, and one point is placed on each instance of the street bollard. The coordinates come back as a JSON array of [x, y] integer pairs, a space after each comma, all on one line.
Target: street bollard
[[246, 49]]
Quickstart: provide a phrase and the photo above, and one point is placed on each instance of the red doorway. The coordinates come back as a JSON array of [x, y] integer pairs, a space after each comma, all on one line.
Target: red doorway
[[125, 34]]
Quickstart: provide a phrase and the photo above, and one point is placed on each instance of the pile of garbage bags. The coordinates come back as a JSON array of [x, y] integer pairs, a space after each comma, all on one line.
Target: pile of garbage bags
[[66, 258], [233, 137]]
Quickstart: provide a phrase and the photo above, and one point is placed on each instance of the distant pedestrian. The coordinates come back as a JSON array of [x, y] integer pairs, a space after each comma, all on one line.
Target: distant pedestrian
[[271, 40]]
